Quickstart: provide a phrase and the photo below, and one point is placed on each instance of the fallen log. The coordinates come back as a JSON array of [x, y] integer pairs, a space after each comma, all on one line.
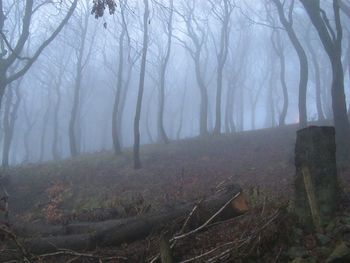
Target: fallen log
[[88, 236]]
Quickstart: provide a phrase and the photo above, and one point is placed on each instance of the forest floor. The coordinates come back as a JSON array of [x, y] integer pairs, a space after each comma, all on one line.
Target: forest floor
[[261, 162]]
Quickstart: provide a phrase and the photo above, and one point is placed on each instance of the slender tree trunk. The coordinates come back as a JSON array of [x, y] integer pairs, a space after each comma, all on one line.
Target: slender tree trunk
[[217, 127], [29, 127], [279, 50], [148, 128], [137, 161], [203, 118], [122, 103], [44, 129], [115, 135], [178, 133], [3, 85], [283, 115], [222, 57], [332, 41], [303, 64], [55, 152], [341, 121], [241, 110], [10, 116], [73, 144], [164, 65], [73, 133], [229, 109], [317, 80], [270, 120], [7, 131], [253, 115], [348, 66]]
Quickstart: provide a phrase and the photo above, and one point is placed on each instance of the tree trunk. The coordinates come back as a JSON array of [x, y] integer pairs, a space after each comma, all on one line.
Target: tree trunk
[[332, 45], [221, 58], [73, 145], [115, 135], [55, 152], [270, 120], [316, 183], [44, 129], [203, 118], [122, 104], [279, 50], [73, 132], [317, 80], [8, 133], [230, 126], [164, 64], [303, 64], [137, 161], [27, 132], [10, 117], [183, 99], [341, 121]]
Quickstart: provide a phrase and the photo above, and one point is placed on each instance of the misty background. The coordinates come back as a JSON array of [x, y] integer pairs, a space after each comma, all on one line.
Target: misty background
[[69, 93]]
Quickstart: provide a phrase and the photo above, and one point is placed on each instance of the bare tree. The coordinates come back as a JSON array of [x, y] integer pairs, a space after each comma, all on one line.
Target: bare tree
[[167, 22], [222, 10], [57, 87], [279, 49], [30, 123], [83, 56], [331, 39], [197, 34], [46, 117], [116, 106], [11, 52], [12, 103], [137, 161], [287, 23], [317, 74]]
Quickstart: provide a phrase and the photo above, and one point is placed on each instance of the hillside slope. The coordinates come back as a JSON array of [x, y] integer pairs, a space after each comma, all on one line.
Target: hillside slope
[[177, 172]]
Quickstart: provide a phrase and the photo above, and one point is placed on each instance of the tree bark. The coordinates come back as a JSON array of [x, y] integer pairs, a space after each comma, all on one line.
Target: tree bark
[[317, 79], [73, 140], [10, 116], [55, 152], [44, 127], [115, 135], [221, 58], [316, 183], [279, 50], [137, 161], [303, 64], [164, 65], [331, 40]]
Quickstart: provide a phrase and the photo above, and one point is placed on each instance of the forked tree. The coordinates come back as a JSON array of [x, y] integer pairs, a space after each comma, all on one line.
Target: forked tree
[[11, 51], [331, 37]]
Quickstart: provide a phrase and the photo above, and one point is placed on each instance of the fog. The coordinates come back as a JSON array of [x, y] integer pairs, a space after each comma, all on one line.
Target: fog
[[63, 105]]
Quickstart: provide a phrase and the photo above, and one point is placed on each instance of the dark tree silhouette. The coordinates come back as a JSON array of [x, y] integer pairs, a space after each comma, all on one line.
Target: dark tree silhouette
[[331, 39]]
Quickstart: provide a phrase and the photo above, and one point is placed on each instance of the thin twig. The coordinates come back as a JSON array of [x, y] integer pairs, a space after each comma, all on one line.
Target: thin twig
[[209, 220], [172, 241], [26, 255]]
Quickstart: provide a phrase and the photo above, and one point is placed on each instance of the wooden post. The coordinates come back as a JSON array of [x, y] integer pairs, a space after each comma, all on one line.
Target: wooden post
[[316, 182]]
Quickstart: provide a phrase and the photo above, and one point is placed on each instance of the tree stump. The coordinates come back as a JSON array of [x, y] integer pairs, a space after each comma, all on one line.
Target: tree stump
[[316, 182]]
